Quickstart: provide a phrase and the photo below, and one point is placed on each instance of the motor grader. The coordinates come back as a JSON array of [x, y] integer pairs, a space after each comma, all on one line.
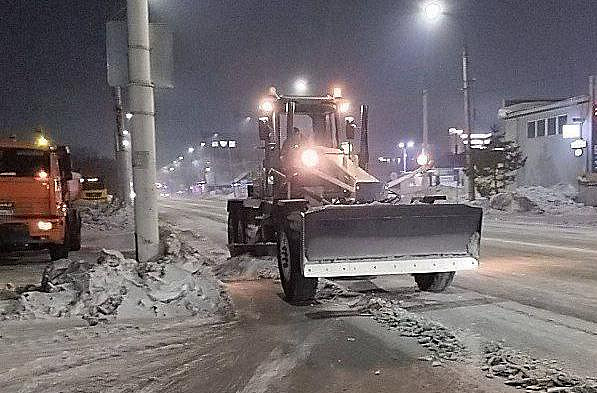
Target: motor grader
[[316, 207]]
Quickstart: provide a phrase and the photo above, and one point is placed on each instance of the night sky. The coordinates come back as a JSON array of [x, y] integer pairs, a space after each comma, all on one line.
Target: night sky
[[52, 67]]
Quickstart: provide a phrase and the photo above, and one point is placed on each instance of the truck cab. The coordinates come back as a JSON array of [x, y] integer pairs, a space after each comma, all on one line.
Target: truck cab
[[36, 210]]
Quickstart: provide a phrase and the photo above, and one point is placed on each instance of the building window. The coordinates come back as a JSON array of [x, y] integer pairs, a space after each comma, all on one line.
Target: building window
[[561, 121], [531, 129], [540, 128], [551, 126]]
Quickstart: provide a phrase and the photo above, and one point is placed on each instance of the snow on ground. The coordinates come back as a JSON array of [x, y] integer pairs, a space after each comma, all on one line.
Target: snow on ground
[[496, 360], [559, 199], [245, 267], [106, 217], [555, 205], [177, 285]]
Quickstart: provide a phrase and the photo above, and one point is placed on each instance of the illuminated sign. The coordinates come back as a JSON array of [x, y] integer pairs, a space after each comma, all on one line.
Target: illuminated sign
[[578, 144], [571, 131]]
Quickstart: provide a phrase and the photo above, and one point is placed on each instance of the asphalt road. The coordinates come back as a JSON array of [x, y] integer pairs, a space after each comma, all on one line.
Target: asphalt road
[[535, 291]]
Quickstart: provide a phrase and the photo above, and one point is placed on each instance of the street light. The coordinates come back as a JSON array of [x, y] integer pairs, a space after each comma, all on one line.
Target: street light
[[191, 150], [129, 116], [410, 144], [300, 86], [432, 11]]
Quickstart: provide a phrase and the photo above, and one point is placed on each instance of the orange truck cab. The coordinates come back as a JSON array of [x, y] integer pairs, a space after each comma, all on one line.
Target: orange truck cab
[[37, 191]]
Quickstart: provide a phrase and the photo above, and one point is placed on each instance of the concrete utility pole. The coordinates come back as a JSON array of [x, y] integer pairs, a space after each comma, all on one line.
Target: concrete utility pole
[[591, 156], [142, 128], [467, 123], [122, 151], [425, 123]]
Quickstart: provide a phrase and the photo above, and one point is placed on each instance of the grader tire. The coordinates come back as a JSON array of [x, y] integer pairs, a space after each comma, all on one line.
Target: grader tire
[[297, 288], [434, 282]]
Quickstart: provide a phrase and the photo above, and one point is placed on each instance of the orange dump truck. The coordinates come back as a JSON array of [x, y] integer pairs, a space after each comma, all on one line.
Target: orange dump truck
[[37, 191]]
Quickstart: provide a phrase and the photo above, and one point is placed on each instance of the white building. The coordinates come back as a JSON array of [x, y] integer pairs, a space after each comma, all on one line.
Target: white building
[[538, 127]]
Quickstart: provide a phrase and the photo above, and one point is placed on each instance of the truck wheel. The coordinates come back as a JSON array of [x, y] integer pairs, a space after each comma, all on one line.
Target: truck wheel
[[59, 251], [297, 288], [75, 235], [434, 282]]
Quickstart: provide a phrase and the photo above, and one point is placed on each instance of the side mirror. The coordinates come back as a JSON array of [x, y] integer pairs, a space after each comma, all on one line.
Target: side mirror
[[264, 129], [64, 162], [350, 129]]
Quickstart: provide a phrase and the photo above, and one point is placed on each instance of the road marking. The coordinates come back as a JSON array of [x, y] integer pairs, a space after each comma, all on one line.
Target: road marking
[[541, 245]]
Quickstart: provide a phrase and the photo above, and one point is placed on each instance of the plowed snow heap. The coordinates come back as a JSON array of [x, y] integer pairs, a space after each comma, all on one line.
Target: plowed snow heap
[[115, 287]]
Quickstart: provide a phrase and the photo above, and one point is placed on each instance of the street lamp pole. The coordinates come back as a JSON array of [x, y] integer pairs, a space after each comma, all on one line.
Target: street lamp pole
[[467, 122], [433, 11], [425, 123], [402, 146]]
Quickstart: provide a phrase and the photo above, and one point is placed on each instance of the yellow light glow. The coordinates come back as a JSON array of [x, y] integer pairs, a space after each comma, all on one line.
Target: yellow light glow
[[309, 158], [44, 225], [42, 141], [266, 106], [422, 159], [42, 175]]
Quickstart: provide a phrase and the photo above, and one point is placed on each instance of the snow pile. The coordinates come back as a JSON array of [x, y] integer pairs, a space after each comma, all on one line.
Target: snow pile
[[328, 290], [524, 372], [114, 287], [107, 217], [245, 267], [442, 344], [518, 369], [511, 202], [557, 200]]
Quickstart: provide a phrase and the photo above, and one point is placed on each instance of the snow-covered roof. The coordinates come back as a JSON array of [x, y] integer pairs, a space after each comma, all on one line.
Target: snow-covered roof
[[522, 107]]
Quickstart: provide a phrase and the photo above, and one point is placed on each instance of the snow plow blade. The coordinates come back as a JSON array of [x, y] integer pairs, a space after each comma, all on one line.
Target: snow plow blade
[[357, 240]]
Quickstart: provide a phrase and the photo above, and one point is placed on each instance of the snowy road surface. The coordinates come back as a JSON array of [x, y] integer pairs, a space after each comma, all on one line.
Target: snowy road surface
[[536, 289], [536, 292]]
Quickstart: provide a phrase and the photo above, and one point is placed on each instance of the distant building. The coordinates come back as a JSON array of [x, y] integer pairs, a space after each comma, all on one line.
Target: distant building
[[538, 127]]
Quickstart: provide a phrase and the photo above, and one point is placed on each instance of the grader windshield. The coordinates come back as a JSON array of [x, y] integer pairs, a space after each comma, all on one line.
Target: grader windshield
[[320, 120]]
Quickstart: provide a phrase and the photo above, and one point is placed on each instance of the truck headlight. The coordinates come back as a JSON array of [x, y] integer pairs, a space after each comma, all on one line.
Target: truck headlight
[[309, 158], [266, 106], [422, 159], [41, 175], [44, 225]]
